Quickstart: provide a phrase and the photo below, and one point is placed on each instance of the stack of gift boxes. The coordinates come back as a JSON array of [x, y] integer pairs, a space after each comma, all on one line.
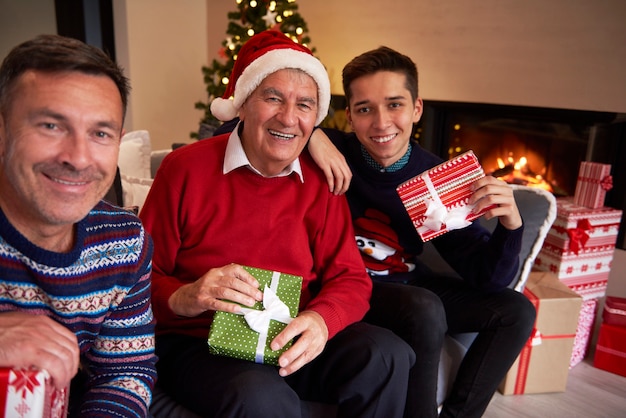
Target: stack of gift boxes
[[571, 272], [580, 245], [570, 276]]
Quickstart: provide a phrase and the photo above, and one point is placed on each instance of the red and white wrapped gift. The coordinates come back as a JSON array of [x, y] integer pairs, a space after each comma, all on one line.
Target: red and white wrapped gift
[[580, 245], [611, 349], [30, 394], [587, 272], [584, 330], [614, 312], [594, 180], [437, 200], [577, 227]]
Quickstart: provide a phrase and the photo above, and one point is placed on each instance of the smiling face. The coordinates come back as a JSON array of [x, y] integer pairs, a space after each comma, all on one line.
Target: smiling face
[[279, 117], [382, 113], [59, 143]]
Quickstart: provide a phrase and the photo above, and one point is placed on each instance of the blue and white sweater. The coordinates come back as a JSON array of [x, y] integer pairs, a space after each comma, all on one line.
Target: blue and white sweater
[[100, 290]]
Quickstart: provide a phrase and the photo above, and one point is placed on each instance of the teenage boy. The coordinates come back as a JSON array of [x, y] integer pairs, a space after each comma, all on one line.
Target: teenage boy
[[381, 88]]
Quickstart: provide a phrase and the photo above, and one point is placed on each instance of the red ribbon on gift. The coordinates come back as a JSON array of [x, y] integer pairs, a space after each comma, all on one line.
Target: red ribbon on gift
[[536, 338], [578, 236], [607, 183], [524, 355]]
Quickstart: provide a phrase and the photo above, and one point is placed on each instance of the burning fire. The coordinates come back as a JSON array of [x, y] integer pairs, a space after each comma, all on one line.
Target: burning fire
[[519, 172]]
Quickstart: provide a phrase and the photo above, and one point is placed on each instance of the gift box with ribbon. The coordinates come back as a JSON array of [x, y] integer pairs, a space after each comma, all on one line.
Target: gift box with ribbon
[[543, 364], [247, 336], [580, 245], [30, 394], [614, 312], [437, 200], [576, 227], [611, 349], [586, 321], [586, 272], [594, 180]]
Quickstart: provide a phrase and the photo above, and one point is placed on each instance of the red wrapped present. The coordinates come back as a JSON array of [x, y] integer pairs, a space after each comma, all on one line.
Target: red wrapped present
[[586, 319], [579, 247], [594, 180], [611, 349], [614, 312], [437, 199], [576, 227], [543, 364], [30, 394], [587, 273]]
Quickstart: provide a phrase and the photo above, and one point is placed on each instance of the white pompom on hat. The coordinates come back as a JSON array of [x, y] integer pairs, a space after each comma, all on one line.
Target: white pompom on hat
[[264, 54]]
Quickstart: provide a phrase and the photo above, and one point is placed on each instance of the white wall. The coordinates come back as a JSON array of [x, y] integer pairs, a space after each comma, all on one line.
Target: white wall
[[162, 45], [556, 53], [24, 19]]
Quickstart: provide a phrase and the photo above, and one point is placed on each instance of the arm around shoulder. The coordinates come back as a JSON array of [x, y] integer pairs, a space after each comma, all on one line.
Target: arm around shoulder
[[331, 161]]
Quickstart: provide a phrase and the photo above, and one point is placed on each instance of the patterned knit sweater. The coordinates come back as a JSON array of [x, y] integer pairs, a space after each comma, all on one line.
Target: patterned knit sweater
[[101, 291]]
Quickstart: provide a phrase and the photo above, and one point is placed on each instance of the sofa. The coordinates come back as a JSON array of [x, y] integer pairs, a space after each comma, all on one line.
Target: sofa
[[138, 164]]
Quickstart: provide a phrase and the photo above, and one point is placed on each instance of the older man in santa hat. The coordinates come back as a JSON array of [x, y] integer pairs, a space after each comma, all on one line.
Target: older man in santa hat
[[254, 198]]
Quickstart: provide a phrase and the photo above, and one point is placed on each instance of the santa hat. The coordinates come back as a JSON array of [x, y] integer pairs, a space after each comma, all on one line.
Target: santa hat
[[264, 54]]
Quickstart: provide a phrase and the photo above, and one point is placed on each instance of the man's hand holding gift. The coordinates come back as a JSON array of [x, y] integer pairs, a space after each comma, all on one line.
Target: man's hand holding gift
[[489, 191], [38, 341], [313, 335], [219, 289], [233, 289]]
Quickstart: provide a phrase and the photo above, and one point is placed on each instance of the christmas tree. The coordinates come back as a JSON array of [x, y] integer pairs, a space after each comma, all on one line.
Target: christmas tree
[[252, 16]]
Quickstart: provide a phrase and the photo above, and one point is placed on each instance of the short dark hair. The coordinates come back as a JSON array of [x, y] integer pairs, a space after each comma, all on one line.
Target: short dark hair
[[380, 59], [54, 53]]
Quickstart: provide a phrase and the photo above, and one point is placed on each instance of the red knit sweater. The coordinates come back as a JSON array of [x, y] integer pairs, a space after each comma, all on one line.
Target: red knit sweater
[[200, 218]]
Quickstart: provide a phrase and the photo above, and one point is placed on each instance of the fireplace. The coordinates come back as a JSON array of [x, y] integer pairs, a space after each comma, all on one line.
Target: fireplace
[[540, 147]]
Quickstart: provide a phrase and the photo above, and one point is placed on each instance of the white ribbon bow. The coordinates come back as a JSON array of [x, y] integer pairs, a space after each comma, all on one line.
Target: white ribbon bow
[[259, 321], [437, 214]]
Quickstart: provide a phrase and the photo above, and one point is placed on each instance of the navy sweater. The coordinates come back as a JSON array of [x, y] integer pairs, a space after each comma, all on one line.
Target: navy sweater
[[382, 225]]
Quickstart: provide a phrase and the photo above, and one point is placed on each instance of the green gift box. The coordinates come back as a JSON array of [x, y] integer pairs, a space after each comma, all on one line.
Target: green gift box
[[233, 335]]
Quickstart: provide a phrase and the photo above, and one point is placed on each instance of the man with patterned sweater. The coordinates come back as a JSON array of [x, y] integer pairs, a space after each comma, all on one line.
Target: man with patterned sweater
[[74, 270]]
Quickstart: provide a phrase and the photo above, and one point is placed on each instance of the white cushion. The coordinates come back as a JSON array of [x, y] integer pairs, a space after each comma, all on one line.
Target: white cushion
[[134, 157], [135, 190]]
